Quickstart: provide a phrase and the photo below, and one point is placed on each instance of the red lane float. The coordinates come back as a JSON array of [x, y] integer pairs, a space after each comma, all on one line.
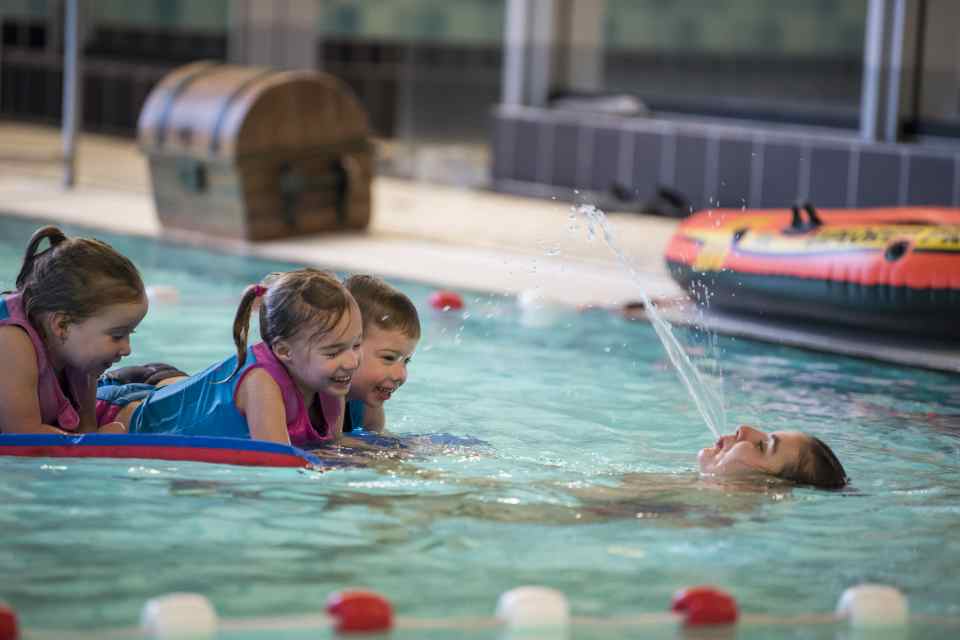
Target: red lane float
[[9, 628], [895, 268], [704, 605], [446, 301], [360, 611]]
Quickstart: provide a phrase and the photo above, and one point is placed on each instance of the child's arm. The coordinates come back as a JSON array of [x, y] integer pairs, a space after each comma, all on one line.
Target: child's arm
[[19, 402], [259, 399], [373, 422], [88, 412], [374, 419], [333, 405]]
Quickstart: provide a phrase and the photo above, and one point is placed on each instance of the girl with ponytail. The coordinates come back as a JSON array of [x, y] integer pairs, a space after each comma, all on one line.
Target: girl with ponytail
[[290, 388], [70, 318]]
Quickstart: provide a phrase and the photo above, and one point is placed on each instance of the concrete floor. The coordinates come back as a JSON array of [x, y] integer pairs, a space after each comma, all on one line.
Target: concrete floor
[[438, 235], [435, 234]]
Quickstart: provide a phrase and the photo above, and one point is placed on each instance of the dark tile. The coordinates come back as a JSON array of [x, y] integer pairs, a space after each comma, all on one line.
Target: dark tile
[[878, 184], [605, 162], [690, 174], [647, 158], [829, 169], [503, 147], [931, 180], [566, 150], [526, 150], [781, 174], [733, 173]]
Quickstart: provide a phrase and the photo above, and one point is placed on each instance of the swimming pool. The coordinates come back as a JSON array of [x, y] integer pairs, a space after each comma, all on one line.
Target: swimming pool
[[577, 471]]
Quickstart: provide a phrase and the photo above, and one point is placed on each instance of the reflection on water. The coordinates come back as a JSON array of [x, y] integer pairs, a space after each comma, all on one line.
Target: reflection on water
[[653, 499], [666, 500], [569, 461]]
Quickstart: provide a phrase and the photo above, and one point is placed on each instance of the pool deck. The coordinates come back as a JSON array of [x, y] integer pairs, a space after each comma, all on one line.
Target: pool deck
[[439, 235]]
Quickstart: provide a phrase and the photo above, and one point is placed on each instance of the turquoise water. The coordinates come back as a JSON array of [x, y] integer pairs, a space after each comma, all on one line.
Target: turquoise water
[[579, 473]]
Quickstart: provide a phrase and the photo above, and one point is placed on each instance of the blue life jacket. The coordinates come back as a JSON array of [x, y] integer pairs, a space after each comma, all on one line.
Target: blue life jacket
[[198, 405], [353, 420]]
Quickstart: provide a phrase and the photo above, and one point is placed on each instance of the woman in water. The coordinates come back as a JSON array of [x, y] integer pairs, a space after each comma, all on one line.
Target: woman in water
[[791, 455], [794, 456], [741, 472]]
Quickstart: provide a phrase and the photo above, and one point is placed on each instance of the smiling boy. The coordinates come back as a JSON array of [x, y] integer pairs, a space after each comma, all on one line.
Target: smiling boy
[[391, 331]]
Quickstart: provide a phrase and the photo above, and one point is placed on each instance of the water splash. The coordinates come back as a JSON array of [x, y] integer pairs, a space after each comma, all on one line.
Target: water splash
[[708, 401]]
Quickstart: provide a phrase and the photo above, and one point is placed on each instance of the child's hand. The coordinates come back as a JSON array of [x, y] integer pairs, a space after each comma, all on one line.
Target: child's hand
[[112, 427], [152, 373]]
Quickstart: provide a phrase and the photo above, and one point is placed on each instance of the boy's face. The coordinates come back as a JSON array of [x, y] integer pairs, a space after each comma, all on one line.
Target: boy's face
[[383, 368]]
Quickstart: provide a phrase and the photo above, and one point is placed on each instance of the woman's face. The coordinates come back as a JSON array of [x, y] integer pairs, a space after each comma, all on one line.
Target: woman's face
[[751, 451]]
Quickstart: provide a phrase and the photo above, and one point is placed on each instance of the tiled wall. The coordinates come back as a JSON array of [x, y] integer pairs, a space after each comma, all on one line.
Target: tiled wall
[[720, 26], [463, 21], [543, 151]]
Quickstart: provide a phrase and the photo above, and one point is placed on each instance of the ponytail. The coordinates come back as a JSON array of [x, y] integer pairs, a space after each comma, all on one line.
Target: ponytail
[[301, 300], [55, 235], [76, 276], [816, 465], [241, 325]]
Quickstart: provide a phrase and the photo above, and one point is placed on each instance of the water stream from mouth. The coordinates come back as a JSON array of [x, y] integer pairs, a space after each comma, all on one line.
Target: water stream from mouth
[[708, 401]]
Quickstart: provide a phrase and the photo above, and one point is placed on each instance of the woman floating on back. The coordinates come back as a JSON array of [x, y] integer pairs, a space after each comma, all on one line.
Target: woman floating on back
[[289, 388], [790, 455], [68, 320]]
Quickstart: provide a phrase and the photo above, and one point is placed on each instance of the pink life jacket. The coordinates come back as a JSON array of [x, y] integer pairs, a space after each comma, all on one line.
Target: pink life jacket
[[56, 409], [302, 432]]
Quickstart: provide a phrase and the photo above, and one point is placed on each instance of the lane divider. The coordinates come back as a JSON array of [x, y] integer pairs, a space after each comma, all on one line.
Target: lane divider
[[866, 607]]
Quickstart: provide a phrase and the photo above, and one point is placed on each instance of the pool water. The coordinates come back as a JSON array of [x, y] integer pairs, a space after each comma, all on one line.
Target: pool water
[[573, 465]]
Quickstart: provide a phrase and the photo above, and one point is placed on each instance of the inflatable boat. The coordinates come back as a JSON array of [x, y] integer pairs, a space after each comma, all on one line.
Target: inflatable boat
[[891, 269]]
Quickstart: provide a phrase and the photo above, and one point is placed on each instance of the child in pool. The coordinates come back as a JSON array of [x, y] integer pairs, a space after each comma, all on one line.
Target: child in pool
[[69, 319], [791, 455], [737, 475], [290, 388], [391, 331]]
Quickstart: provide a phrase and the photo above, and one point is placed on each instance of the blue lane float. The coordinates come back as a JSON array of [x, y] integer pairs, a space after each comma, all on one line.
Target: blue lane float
[[253, 453]]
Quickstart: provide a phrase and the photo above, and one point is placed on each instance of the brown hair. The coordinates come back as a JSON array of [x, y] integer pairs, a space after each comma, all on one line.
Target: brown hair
[[290, 302], [816, 465], [75, 276], [383, 306]]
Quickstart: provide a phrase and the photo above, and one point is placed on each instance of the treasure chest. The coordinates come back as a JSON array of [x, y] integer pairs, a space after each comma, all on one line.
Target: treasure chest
[[255, 153]]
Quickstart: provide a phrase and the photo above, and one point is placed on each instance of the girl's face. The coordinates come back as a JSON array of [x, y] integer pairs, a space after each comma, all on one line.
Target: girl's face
[[94, 345], [750, 450], [326, 363]]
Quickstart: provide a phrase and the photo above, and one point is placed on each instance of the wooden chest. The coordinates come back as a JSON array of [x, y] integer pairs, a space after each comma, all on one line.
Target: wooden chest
[[255, 153]]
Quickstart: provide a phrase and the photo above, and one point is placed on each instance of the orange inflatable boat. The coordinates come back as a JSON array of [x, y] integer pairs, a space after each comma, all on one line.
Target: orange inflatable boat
[[896, 268]]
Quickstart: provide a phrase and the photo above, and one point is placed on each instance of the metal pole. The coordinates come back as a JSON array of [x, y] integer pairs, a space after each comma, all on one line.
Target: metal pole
[[1, 63], [70, 103], [516, 52], [891, 124], [545, 19], [872, 71]]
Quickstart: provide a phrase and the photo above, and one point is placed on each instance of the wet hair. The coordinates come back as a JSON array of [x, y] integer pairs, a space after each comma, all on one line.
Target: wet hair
[[816, 465], [291, 302], [75, 276], [383, 306]]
